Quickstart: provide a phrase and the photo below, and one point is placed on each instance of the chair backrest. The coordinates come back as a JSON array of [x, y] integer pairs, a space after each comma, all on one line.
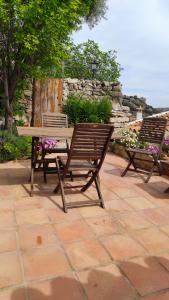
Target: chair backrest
[[153, 130], [54, 120], [90, 142]]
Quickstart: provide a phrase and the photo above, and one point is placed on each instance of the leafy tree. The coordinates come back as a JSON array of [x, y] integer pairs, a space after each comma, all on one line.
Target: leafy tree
[[82, 55], [33, 35]]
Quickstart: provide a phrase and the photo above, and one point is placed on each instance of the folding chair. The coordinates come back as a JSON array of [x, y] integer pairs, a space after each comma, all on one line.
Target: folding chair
[[57, 120], [87, 152], [152, 131]]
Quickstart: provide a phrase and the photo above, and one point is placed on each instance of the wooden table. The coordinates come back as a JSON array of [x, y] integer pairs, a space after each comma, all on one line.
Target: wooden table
[[40, 132], [58, 133]]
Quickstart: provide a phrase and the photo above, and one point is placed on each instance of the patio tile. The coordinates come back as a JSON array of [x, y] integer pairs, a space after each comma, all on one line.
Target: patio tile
[[36, 236], [44, 262], [158, 216], [122, 247], [108, 195], [118, 205], [73, 231], [7, 219], [106, 283], [152, 239], [57, 215], [165, 228], [86, 254], [61, 288], [13, 294], [124, 192], [139, 203], [7, 240], [146, 274], [27, 203], [103, 225], [6, 204], [161, 296], [133, 220], [10, 271], [32, 216], [92, 211]]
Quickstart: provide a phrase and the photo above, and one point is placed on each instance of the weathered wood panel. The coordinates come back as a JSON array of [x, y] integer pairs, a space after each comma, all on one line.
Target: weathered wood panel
[[47, 98]]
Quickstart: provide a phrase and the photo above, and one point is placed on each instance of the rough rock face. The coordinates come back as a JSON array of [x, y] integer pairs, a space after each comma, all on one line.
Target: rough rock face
[[94, 89], [91, 88], [135, 102]]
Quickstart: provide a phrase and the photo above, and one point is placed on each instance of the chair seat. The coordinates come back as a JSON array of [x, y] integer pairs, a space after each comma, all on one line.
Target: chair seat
[[77, 164]]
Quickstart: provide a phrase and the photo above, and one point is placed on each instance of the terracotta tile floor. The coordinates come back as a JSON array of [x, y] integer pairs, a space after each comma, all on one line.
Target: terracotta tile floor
[[90, 253]]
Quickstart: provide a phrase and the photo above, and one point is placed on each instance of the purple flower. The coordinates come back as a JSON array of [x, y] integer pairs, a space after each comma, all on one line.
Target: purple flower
[[48, 143], [153, 149], [166, 142]]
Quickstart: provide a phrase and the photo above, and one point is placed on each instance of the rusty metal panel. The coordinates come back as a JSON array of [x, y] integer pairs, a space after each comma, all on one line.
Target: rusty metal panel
[[47, 98]]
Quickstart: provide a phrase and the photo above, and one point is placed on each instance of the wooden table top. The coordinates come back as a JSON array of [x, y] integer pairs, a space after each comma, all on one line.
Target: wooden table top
[[60, 133]]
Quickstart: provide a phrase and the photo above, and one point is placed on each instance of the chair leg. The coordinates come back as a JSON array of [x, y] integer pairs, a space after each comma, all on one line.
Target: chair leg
[[97, 183], [63, 196], [150, 173], [131, 162], [71, 175], [45, 166], [89, 183], [61, 186], [32, 181]]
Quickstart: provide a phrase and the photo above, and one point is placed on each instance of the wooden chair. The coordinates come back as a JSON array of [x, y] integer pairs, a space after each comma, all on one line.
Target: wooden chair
[[87, 152], [152, 131], [57, 120]]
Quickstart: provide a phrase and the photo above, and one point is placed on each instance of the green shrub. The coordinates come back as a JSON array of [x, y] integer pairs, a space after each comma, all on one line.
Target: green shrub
[[80, 110], [14, 147]]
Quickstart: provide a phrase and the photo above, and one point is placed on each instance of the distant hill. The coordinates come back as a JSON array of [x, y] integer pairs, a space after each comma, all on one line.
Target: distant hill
[[134, 102], [162, 109]]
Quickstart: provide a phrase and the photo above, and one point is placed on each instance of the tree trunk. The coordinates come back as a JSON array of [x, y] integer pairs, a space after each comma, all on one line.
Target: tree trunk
[[8, 105]]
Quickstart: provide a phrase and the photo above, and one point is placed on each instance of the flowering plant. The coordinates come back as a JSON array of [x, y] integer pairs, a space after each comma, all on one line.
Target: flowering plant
[[165, 149], [130, 139], [47, 143], [153, 149]]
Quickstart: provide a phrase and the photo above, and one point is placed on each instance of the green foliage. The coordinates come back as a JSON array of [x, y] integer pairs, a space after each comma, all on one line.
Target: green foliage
[[98, 12], [82, 55], [34, 36], [14, 147], [80, 110]]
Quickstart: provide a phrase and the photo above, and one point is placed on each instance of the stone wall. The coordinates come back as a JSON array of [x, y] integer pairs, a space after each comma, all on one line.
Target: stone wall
[[94, 89], [90, 89]]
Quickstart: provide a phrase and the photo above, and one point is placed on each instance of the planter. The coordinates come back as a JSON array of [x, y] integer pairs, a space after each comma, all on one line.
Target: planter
[[165, 167]]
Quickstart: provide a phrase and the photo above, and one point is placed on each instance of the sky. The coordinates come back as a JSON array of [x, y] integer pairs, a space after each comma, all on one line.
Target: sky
[[139, 31]]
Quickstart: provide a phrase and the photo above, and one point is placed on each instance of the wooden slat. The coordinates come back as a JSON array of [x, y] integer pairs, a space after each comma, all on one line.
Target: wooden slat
[[153, 130]]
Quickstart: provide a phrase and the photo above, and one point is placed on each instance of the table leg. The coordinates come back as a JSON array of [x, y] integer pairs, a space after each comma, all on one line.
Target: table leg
[[33, 163]]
